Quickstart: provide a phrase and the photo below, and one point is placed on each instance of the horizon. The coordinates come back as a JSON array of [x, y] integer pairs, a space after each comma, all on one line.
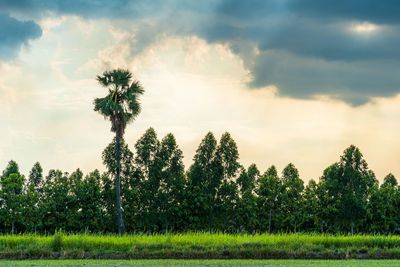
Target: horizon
[[291, 81]]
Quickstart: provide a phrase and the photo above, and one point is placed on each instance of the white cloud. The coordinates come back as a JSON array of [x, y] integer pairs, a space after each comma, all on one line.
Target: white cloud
[[51, 22], [9, 94]]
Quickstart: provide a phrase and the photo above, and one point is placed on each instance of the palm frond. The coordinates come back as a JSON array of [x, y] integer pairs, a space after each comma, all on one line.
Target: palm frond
[[121, 105]]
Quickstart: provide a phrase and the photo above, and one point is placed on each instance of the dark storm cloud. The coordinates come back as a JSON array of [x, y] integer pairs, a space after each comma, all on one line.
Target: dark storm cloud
[[355, 82], [383, 11], [305, 47], [308, 48], [14, 34], [132, 9], [311, 28]]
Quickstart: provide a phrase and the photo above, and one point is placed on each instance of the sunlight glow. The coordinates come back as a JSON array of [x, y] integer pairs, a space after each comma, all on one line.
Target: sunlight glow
[[365, 27]]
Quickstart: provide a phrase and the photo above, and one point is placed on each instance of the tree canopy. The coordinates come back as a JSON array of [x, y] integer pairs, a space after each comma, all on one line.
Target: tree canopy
[[216, 193]]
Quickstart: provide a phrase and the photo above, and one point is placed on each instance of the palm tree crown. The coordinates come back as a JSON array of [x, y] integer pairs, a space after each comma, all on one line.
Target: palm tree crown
[[121, 105]]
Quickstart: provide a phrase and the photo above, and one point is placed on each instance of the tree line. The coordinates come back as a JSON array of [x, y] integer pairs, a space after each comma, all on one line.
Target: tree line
[[216, 193]]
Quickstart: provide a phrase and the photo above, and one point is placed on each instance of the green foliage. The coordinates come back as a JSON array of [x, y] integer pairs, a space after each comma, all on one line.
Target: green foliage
[[12, 167], [389, 180], [88, 197], [121, 105], [11, 196], [348, 182], [32, 213], [126, 157], [291, 197], [216, 194], [36, 175], [269, 189], [247, 179]]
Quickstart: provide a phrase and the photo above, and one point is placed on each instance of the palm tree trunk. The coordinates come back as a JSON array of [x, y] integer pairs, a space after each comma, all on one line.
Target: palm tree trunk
[[121, 227], [352, 227], [269, 221]]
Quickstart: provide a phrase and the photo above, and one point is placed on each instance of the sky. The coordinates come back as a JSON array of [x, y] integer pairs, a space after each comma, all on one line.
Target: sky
[[292, 80]]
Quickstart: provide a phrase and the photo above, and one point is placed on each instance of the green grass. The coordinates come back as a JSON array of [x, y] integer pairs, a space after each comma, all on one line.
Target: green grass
[[200, 246], [195, 263]]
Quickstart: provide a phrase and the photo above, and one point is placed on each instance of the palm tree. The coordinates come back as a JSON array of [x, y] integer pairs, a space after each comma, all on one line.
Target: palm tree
[[120, 106]]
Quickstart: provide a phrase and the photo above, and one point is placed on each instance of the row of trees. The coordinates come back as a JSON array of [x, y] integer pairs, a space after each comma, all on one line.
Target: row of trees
[[216, 193]]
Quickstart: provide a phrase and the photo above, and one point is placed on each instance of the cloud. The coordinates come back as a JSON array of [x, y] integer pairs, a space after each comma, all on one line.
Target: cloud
[[346, 49], [187, 74], [307, 49], [385, 12], [305, 77], [87, 8], [14, 34]]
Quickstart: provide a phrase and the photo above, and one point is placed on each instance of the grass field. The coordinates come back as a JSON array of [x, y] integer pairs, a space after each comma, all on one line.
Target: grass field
[[199, 246], [195, 263]]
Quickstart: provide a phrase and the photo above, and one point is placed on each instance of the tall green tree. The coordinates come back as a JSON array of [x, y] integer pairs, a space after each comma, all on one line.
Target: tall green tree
[[227, 195], [310, 207], [292, 197], [88, 193], [268, 189], [149, 167], [11, 194], [204, 177], [58, 202], [383, 207], [348, 182], [383, 210], [247, 206], [121, 106], [172, 183], [32, 213]]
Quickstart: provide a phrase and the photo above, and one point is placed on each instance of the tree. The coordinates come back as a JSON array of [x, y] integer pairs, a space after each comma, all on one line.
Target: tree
[[227, 156], [291, 196], [268, 189], [59, 202], [247, 206], [204, 178], [36, 175], [121, 106], [348, 183], [382, 210], [32, 215], [148, 165], [172, 182], [88, 194], [11, 193], [310, 206]]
